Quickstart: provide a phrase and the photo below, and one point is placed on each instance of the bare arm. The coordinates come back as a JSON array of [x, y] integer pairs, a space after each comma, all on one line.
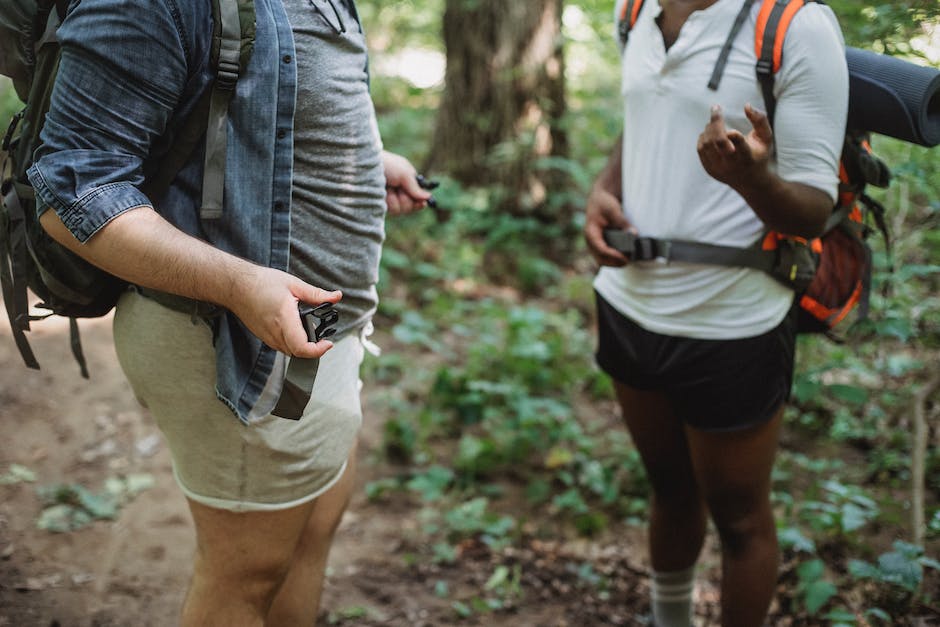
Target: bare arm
[[742, 162], [605, 210], [143, 248]]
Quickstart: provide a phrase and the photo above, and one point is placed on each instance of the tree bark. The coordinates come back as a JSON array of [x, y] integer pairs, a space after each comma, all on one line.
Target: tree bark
[[503, 99]]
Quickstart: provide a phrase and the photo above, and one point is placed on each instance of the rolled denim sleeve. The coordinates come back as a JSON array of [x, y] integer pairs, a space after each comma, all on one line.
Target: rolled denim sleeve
[[123, 68]]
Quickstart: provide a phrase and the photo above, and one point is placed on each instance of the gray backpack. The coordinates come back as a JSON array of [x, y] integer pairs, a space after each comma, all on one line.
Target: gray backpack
[[30, 259]]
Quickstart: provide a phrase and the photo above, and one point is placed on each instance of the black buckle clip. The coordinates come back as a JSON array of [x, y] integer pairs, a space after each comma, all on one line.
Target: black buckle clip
[[318, 321], [227, 75]]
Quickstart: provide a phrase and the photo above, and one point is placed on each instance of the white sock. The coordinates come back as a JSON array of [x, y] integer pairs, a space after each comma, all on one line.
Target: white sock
[[672, 597]]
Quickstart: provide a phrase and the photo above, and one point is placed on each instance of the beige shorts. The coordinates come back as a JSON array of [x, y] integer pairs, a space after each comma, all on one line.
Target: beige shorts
[[271, 464]]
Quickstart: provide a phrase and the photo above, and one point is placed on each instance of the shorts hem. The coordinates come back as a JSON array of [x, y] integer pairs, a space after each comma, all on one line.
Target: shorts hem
[[233, 505], [743, 426]]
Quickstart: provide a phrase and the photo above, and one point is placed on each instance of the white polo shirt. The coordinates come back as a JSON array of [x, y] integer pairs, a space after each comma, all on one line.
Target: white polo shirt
[[666, 191]]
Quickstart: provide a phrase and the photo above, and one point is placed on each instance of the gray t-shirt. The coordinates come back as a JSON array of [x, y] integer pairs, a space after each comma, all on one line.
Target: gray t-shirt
[[338, 203]]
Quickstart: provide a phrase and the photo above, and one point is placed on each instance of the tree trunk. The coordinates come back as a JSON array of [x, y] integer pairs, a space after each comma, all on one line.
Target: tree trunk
[[503, 99]]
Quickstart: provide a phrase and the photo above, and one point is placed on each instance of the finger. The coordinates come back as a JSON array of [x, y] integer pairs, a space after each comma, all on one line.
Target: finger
[[315, 295], [602, 253], [717, 119], [392, 201], [310, 350], [760, 122], [406, 203], [293, 338], [738, 141], [412, 188]]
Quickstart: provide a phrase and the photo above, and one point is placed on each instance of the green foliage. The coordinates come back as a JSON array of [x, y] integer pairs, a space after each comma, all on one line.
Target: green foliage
[[814, 588], [9, 103], [844, 510], [885, 27]]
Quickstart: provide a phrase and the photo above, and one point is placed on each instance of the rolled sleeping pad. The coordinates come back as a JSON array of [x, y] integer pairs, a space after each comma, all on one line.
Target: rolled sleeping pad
[[892, 97]]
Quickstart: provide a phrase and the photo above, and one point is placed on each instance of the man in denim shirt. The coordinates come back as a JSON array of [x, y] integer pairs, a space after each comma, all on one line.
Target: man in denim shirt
[[306, 189]]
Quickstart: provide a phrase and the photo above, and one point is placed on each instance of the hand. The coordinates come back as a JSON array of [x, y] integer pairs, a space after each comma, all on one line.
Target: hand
[[403, 194], [268, 307], [731, 157], [604, 211]]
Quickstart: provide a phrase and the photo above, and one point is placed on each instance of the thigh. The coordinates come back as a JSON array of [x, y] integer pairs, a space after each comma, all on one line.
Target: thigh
[[660, 438], [246, 548], [733, 469]]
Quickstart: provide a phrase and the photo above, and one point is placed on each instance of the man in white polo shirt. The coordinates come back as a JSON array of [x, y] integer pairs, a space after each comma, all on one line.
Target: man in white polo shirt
[[702, 355]]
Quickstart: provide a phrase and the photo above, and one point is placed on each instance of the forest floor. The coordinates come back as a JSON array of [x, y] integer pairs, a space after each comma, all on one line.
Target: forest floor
[[132, 570]]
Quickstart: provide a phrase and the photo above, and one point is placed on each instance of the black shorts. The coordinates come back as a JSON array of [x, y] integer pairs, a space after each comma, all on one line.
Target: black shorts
[[713, 385]]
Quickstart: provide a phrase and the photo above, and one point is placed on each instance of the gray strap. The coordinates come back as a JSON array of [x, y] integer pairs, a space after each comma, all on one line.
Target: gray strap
[[13, 281], [719, 69], [652, 249], [195, 308], [213, 183], [76, 342], [52, 25]]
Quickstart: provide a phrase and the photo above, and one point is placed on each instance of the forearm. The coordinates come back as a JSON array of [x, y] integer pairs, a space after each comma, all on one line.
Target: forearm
[[143, 248], [610, 178], [785, 206]]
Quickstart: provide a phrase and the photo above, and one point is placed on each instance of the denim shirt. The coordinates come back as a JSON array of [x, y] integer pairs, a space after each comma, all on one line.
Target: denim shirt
[[131, 71]]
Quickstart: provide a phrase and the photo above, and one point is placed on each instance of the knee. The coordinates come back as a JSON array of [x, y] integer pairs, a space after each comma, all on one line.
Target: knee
[[743, 532], [253, 583], [678, 499]]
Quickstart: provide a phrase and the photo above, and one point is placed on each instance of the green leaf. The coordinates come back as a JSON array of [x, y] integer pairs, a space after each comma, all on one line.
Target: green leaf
[[840, 615], [877, 612], [817, 594], [901, 570], [462, 609], [791, 537], [431, 484], [811, 571], [62, 518], [848, 393], [498, 578], [805, 389], [854, 517], [17, 474], [929, 563], [862, 570]]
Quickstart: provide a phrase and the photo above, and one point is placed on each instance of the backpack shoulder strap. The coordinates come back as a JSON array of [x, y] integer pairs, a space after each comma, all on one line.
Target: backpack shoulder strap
[[231, 18], [772, 24], [626, 20], [232, 44]]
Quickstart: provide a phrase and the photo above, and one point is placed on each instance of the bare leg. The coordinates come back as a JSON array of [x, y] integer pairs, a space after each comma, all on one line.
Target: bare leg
[[733, 472], [677, 513], [298, 600], [241, 561]]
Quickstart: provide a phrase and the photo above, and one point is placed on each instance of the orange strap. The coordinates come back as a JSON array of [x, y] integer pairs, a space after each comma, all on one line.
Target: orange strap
[[767, 11], [637, 5], [828, 315]]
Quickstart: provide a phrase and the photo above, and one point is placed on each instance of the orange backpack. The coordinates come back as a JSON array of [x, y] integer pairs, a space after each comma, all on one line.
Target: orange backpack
[[831, 274]]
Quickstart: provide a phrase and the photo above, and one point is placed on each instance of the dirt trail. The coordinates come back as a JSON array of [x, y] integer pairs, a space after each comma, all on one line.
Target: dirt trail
[[133, 570]]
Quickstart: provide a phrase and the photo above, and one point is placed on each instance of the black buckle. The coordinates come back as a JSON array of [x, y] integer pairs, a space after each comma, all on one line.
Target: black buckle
[[11, 129], [319, 320], [765, 67], [226, 75]]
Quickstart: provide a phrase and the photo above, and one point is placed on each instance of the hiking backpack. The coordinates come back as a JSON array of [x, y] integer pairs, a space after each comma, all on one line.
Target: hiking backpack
[[831, 274], [31, 260]]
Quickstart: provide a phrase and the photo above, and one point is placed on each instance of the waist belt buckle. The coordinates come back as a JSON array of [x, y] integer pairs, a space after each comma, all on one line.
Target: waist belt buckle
[[651, 249]]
